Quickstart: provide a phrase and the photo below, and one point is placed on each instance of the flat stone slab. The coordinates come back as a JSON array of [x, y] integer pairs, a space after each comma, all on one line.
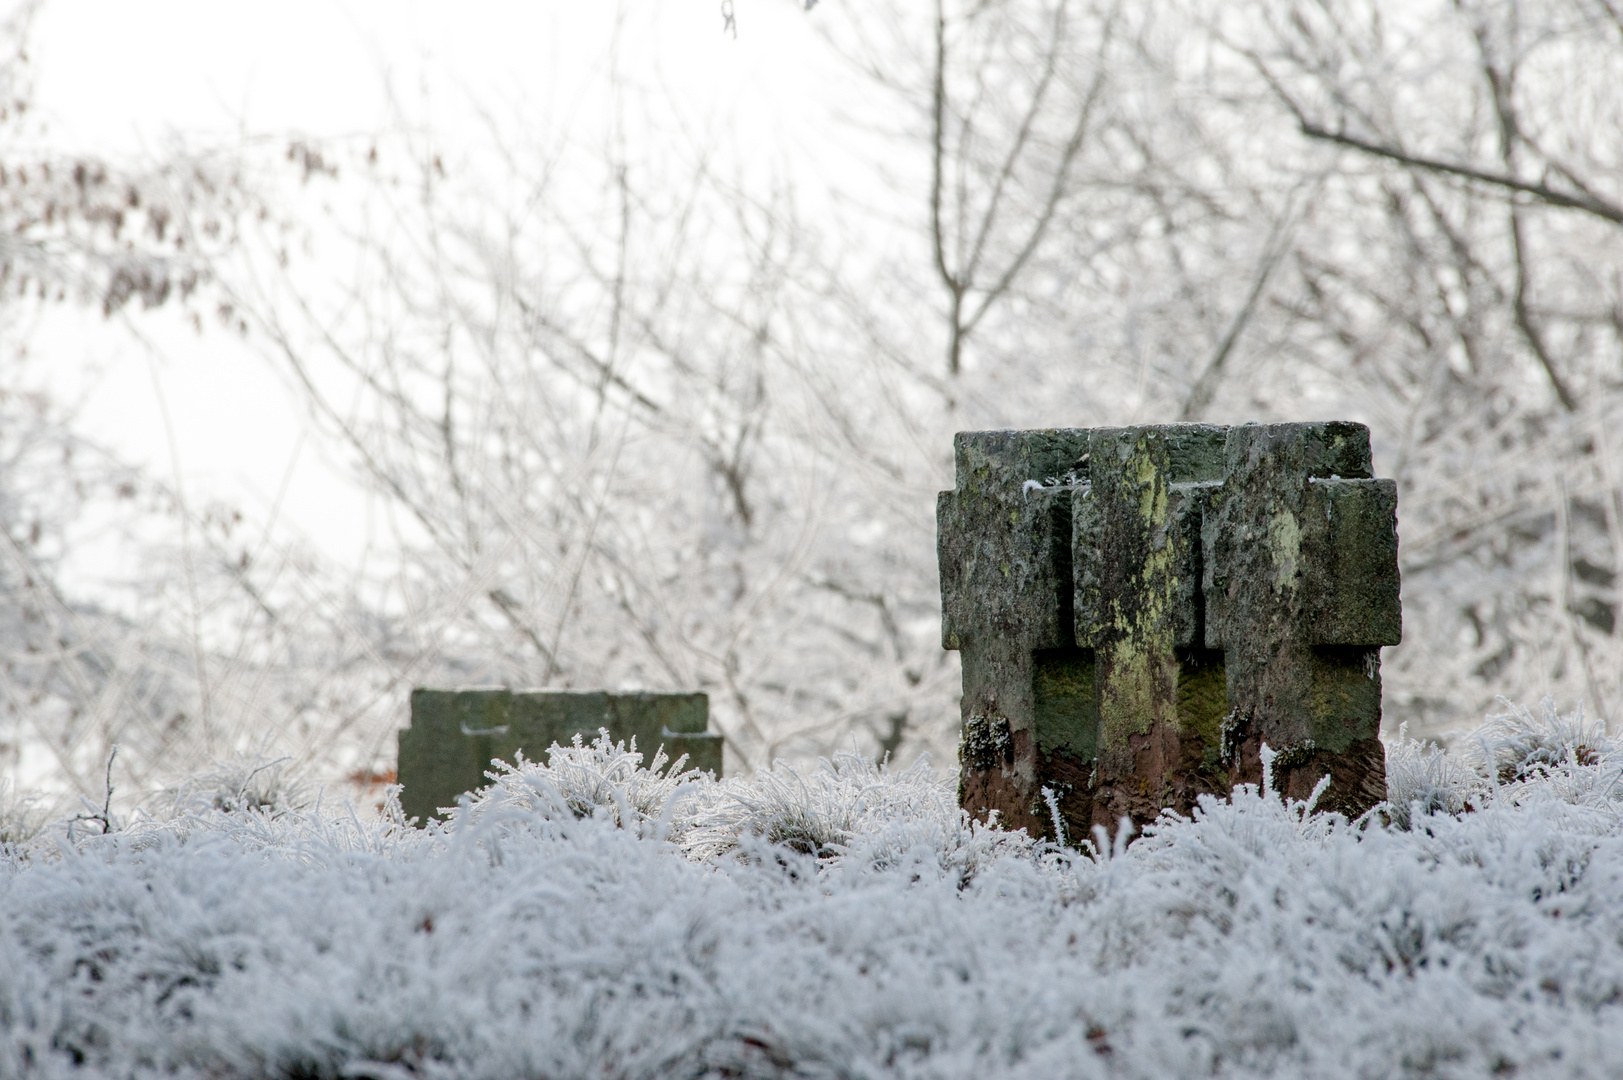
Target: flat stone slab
[[455, 734]]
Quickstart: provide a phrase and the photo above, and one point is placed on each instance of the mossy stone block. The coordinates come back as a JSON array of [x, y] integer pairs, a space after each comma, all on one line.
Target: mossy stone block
[[1139, 609]]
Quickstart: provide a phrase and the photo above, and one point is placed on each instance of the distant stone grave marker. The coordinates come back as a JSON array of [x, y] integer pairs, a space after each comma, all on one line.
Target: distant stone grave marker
[[1139, 609], [454, 734]]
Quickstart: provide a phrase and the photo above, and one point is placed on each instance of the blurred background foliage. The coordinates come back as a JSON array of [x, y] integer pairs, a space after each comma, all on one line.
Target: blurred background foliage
[[653, 406]]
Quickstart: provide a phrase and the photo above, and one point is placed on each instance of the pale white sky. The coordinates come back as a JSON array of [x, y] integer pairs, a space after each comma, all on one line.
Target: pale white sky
[[121, 77]]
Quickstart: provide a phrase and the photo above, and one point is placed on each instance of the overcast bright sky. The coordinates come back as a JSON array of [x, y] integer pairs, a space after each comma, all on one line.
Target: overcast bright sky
[[118, 77]]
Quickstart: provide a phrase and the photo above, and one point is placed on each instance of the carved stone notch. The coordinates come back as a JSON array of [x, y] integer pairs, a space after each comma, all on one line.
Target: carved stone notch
[[1139, 609]]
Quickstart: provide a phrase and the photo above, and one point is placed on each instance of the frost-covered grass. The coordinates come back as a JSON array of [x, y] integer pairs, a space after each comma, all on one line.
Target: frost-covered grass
[[590, 918]]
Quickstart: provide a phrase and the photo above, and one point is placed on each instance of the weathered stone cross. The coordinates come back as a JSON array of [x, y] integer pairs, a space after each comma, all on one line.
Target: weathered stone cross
[[1139, 609]]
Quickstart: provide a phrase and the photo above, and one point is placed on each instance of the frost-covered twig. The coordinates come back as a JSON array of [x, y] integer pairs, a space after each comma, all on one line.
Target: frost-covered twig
[[104, 816]]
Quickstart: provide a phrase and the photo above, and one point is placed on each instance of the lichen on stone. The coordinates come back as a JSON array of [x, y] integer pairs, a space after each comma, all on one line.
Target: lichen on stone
[[986, 743]]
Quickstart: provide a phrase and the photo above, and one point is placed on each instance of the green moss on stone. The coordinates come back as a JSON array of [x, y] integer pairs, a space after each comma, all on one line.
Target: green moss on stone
[[1203, 702], [1346, 690], [1065, 703]]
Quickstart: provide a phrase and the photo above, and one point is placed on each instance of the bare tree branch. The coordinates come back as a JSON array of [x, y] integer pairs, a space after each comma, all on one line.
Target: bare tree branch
[[1587, 203], [1201, 394]]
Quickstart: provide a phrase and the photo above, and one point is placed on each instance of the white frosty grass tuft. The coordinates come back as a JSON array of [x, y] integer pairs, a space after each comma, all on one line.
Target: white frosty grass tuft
[[1516, 755], [591, 918]]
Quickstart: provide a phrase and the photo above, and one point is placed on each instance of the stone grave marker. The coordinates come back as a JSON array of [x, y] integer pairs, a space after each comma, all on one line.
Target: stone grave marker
[[1139, 609], [454, 734]]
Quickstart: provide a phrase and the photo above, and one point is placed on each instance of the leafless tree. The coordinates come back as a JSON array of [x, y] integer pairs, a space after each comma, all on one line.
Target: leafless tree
[[650, 409], [131, 613], [1470, 280], [1404, 214], [624, 444]]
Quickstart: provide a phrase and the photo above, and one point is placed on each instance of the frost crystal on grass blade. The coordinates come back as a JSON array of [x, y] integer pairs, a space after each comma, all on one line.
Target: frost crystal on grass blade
[[592, 917]]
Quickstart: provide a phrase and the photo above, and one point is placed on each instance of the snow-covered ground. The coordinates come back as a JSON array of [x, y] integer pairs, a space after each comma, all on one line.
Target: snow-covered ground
[[593, 919]]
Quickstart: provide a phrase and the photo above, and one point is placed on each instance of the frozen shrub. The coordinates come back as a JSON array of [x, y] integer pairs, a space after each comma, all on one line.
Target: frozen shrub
[[253, 783], [21, 818], [847, 812], [1515, 743], [844, 811], [602, 777], [818, 813], [1517, 756], [844, 920], [1424, 778]]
